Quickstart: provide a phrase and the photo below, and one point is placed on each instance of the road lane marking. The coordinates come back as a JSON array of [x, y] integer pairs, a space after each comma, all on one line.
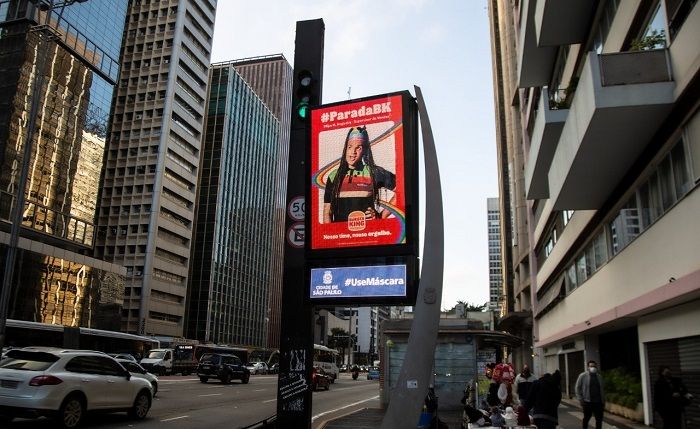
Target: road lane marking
[[269, 400], [212, 394], [343, 407], [259, 390], [174, 418]]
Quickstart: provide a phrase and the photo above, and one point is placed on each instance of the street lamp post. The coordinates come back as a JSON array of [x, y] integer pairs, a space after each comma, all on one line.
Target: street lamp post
[[43, 31]]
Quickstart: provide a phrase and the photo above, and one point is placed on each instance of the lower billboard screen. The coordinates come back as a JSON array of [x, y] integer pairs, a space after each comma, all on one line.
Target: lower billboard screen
[[359, 282]]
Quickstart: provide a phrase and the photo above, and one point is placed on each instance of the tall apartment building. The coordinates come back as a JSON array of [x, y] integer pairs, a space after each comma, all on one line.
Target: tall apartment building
[[70, 67], [270, 77], [233, 253], [605, 117], [515, 304], [493, 215], [369, 320], [147, 202]]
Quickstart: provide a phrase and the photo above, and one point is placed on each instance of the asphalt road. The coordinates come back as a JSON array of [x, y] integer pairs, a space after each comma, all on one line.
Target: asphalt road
[[184, 402]]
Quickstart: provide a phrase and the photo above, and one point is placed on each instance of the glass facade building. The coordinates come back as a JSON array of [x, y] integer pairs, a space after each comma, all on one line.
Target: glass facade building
[[270, 77], [58, 72], [228, 300]]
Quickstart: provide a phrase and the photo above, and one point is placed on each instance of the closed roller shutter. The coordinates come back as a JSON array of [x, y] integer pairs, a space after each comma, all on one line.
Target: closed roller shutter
[[682, 355]]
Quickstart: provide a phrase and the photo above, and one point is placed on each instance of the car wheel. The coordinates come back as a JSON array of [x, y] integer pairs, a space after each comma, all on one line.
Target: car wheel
[[203, 379], [154, 385], [226, 378], [245, 378], [71, 412], [328, 386], [141, 406], [161, 372]]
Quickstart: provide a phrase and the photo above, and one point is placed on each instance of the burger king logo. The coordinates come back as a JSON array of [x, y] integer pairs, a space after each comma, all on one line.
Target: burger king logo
[[356, 221]]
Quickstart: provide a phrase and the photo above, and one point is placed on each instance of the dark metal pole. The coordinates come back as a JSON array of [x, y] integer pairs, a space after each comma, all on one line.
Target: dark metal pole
[[296, 339]]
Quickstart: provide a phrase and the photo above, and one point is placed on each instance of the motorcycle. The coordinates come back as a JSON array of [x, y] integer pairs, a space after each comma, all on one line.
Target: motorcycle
[[355, 373]]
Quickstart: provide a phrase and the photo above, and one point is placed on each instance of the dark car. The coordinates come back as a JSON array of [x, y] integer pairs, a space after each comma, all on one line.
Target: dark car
[[223, 367], [319, 378]]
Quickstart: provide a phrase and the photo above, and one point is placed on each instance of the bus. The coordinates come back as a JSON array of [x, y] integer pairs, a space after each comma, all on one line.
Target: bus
[[22, 333], [186, 356], [327, 359]]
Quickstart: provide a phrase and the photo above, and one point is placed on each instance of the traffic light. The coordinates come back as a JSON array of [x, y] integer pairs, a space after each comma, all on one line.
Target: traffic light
[[308, 73], [306, 93]]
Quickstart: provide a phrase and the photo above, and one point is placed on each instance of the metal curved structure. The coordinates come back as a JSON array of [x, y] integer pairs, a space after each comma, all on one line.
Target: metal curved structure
[[407, 398]]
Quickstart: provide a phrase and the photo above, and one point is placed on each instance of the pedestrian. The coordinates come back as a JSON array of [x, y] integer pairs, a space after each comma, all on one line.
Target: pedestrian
[[523, 383], [670, 398], [589, 392], [543, 401]]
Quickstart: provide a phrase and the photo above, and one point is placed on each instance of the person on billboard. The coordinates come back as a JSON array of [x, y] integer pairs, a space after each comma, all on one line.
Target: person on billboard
[[354, 186]]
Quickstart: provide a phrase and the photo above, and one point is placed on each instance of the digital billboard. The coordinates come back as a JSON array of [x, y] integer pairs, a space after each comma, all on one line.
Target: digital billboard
[[362, 174], [375, 280], [358, 282]]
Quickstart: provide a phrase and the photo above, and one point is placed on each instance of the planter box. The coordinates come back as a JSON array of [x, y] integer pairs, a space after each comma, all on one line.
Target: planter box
[[636, 414]]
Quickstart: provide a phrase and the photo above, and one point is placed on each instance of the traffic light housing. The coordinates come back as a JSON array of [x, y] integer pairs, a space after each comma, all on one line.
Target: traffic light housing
[[306, 94]]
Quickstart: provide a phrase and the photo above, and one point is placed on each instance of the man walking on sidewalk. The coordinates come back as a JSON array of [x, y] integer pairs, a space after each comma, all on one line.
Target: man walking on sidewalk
[[589, 392]]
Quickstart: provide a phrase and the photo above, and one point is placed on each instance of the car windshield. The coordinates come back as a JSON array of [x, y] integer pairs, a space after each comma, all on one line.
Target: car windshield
[[28, 361], [156, 355], [212, 359]]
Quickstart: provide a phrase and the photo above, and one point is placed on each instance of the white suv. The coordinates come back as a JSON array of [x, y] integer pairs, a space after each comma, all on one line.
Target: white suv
[[65, 384]]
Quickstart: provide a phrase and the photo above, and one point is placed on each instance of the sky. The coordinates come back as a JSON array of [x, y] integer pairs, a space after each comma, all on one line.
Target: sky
[[380, 46]]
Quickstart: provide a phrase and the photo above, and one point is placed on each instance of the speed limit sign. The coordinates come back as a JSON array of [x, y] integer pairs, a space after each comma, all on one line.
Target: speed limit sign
[[296, 208]]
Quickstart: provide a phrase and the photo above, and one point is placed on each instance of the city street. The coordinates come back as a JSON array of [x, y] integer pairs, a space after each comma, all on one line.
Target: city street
[[185, 402]]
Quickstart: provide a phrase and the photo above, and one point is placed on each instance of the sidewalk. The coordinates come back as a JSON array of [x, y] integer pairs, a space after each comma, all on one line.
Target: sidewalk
[[570, 416]]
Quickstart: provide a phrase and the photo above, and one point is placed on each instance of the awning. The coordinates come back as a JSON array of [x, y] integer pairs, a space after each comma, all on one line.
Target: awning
[[550, 297]]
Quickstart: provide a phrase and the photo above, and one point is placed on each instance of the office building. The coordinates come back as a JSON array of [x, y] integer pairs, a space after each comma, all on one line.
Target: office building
[[494, 240], [57, 77], [232, 259], [270, 77], [147, 203], [598, 127]]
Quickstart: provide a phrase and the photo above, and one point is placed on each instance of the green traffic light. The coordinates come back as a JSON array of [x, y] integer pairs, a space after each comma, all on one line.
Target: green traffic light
[[303, 110]]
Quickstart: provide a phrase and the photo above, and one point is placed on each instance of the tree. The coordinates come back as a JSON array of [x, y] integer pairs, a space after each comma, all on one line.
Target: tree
[[468, 307], [339, 339]]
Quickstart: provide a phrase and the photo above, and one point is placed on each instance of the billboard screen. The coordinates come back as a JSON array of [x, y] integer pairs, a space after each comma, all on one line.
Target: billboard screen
[[358, 192], [358, 282]]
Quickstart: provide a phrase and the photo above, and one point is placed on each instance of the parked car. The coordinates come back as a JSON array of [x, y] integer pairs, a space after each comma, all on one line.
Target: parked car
[[274, 369], [373, 374], [66, 384], [224, 367], [319, 378], [257, 367], [137, 370]]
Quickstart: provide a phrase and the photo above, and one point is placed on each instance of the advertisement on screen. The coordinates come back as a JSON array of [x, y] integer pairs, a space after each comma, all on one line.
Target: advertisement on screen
[[358, 282], [358, 177]]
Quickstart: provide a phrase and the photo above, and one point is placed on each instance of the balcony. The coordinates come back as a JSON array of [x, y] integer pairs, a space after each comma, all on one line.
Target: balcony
[[620, 102], [534, 63], [548, 125], [563, 22]]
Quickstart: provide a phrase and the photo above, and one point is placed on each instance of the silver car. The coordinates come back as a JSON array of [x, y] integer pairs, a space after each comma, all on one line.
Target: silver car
[[137, 370], [65, 384]]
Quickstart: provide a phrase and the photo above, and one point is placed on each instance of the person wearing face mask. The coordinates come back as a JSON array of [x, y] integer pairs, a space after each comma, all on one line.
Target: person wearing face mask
[[523, 383], [589, 392], [670, 398]]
